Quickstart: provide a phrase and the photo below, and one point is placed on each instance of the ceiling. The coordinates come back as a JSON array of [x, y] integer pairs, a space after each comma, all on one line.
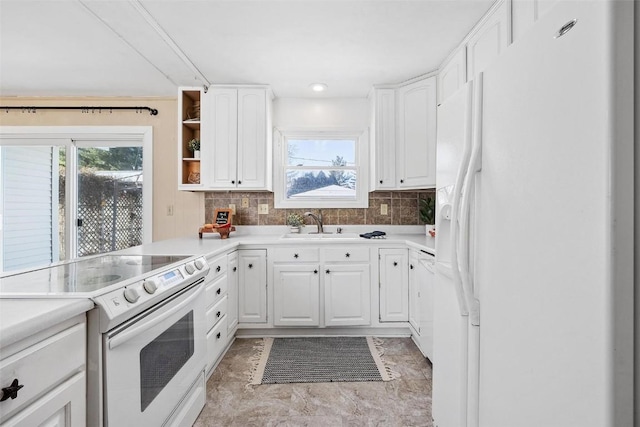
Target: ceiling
[[122, 48]]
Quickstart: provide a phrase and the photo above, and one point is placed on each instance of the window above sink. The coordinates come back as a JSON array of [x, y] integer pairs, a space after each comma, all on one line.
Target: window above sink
[[321, 169]]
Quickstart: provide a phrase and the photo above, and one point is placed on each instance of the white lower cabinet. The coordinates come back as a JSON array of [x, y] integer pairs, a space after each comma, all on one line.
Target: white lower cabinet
[[296, 290], [421, 284], [216, 294], [347, 295], [252, 285], [52, 371], [394, 285], [232, 292]]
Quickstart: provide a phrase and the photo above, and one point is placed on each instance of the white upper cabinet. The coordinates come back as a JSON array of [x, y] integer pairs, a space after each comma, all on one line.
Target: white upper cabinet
[[416, 135], [384, 152], [489, 39], [235, 134], [453, 74], [240, 156], [404, 140], [526, 12]]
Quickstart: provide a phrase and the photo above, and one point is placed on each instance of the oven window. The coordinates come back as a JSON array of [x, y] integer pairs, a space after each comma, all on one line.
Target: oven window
[[162, 358]]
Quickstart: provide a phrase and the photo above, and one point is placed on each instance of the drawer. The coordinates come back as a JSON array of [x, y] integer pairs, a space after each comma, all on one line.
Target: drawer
[[218, 267], [296, 255], [216, 342], [216, 312], [346, 254], [41, 367], [216, 290]]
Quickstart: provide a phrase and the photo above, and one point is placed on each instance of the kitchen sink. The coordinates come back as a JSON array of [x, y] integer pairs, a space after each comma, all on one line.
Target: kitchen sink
[[323, 236]]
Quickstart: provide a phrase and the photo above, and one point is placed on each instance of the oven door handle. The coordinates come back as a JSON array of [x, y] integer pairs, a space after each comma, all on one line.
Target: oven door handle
[[134, 331]]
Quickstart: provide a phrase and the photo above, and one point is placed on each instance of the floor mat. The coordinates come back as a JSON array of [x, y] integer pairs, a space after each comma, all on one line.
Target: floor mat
[[320, 359]]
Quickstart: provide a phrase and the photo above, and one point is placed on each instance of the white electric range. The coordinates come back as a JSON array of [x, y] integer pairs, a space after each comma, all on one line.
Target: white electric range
[[146, 337]]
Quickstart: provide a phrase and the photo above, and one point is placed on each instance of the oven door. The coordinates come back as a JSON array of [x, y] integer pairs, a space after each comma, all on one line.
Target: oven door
[[151, 361]]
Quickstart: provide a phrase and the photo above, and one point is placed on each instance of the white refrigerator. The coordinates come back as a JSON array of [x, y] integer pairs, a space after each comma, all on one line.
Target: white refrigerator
[[533, 301]]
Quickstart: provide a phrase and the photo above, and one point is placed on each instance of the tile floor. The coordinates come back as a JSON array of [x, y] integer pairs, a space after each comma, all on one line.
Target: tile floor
[[405, 401]]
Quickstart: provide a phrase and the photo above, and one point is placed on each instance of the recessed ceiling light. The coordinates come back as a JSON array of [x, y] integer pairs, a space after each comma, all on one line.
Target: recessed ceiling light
[[318, 87]]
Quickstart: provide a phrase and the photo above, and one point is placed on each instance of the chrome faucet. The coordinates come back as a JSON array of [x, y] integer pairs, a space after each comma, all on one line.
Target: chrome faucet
[[317, 219]]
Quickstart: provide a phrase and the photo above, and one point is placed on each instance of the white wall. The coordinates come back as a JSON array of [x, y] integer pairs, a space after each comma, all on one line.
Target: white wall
[[352, 113]]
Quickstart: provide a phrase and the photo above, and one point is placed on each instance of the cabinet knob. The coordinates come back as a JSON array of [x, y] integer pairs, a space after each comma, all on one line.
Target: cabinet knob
[[233, 181], [218, 314], [295, 255], [402, 181], [234, 269], [328, 271], [411, 266], [11, 391], [239, 182], [218, 291], [347, 255], [218, 335], [218, 269], [380, 181], [250, 265], [315, 271], [395, 263]]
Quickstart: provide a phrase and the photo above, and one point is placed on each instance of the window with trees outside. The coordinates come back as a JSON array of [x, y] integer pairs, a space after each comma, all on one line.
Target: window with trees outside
[[320, 170]]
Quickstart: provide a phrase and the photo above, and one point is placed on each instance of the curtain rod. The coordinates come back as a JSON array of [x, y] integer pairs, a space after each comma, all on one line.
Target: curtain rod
[[86, 110]]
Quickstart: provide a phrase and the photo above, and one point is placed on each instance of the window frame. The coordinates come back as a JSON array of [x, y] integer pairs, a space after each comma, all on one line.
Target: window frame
[[280, 159], [74, 137]]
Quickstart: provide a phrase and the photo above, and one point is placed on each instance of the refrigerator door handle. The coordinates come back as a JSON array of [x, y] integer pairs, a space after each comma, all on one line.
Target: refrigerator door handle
[[458, 190], [474, 167]]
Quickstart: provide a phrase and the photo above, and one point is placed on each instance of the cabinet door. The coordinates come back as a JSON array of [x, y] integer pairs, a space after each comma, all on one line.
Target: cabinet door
[[384, 161], [488, 40], [414, 292], [296, 295], [416, 137], [252, 138], [452, 75], [425, 277], [232, 292], [394, 285], [63, 406], [252, 286], [221, 161], [347, 290]]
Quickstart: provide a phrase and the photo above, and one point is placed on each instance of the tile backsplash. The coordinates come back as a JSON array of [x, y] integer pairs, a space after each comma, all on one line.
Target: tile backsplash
[[402, 209]]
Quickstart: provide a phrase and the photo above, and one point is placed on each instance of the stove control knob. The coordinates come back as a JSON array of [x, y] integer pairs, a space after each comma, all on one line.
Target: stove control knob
[[199, 264], [131, 295], [190, 268], [150, 286]]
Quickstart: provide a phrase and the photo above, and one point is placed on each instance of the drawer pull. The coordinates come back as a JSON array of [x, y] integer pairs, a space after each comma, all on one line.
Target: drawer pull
[[218, 335], [218, 314], [218, 291], [347, 255], [11, 391], [218, 269], [295, 255]]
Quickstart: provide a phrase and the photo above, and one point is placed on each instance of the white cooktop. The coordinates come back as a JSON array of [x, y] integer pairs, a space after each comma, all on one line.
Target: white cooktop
[[83, 277]]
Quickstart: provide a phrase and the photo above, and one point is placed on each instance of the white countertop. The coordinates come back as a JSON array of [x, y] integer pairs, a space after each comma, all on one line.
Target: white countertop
[[20, 318]]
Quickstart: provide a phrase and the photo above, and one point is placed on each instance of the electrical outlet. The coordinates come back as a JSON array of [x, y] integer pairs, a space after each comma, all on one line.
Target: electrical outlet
[[384, 209], [232, 206], [263, 209], [169, 210], [245, 202]]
